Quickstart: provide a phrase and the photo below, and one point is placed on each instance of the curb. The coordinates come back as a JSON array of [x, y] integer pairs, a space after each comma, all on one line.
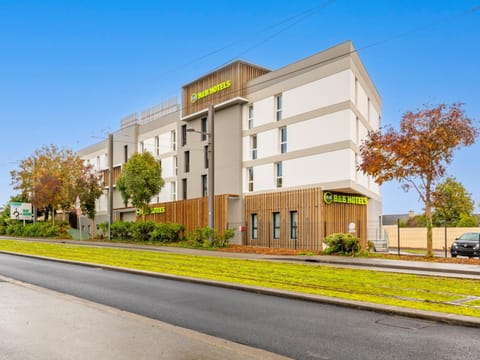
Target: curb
[[388, 309]]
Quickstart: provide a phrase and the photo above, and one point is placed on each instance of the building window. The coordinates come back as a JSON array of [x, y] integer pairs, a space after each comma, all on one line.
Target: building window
[[250, 179], [184, 189], [204, 185], [142, 146], [355, 95], [204, 129], [205, 156], [187, 161], [125, 153], [173, 140], [254, 229], [278, 174], [253, 146], [250, 116], [283, 140], [157, 145], [173, 190], [357, 130], [276, 225], [293, 225], [369, 105], [184, 135], [98, 163], [278, 107], [175, 165]]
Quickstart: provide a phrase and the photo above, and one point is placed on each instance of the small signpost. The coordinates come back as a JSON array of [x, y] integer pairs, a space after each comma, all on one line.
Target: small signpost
[[20, 211]]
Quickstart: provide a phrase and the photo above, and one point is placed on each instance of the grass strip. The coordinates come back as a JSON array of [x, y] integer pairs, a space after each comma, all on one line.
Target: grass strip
[[405, 290]]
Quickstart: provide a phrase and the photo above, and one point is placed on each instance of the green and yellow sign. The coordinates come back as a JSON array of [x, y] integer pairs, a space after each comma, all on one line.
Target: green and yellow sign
[[330, 198], [156, 210], [210, 91]]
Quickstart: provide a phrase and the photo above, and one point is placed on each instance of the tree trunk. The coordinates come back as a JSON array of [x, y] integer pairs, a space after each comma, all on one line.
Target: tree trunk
[[92, 221], [428, 215]]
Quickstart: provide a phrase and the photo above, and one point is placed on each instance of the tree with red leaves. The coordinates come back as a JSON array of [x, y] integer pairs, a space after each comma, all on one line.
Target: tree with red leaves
[[418, 153]]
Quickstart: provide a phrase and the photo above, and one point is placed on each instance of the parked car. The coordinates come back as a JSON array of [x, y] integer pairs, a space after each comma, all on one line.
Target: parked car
[[466, 245]]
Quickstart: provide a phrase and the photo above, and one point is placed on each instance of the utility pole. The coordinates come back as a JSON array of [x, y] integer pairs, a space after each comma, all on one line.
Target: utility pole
[[210, 133], [34, 195], [211, 169], [110, 184]]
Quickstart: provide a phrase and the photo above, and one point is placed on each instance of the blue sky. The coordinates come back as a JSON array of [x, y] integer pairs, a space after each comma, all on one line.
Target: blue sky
[[70, 70]]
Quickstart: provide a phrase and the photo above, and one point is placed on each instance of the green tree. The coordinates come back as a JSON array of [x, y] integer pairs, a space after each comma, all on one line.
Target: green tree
[[48, 178], [452, 203], [140, 180], [418, 153], [467, 220], [89, 190]]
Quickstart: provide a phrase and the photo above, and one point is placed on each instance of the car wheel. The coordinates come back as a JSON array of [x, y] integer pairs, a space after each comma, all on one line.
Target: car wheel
[[453, 255]]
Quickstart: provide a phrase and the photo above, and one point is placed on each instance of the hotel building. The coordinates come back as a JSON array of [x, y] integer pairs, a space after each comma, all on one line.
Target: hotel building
[[286, 149]]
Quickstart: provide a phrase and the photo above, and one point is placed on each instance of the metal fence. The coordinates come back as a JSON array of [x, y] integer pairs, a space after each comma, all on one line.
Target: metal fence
[[413, 240]]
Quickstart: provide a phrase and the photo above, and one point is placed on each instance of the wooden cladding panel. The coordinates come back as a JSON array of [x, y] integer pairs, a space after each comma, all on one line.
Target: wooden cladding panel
[[192, 213], [306, 202], [337, 218], [117, 170], [238, 73], [315, 219]]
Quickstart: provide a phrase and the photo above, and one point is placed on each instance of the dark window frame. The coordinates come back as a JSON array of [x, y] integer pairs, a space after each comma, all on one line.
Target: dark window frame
[[294, 225], [276, 225], [187, 161], [254, 226]]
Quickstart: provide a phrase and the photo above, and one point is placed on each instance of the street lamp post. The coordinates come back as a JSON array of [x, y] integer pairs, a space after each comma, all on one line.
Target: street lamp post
[[110, 185], [211, 167]]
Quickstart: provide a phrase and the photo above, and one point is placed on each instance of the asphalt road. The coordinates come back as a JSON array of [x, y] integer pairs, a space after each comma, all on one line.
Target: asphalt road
[[297, 329]]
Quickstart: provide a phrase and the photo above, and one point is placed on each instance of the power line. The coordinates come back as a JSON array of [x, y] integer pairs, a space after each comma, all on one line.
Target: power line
[[302, 15], [309, 12], [377, 43]]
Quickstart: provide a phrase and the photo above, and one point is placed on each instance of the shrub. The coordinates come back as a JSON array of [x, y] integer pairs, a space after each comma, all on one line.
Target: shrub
[[39, 229], [142, 230], [370, 246], [120, 230], [201, 238], [167, 233], [342, 244]]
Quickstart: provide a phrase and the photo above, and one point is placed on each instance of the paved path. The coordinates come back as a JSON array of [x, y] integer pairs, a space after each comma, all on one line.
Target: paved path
[[40, 324]]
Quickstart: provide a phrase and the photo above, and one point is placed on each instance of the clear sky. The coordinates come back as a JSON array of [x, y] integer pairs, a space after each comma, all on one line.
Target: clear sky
[[70, 70]]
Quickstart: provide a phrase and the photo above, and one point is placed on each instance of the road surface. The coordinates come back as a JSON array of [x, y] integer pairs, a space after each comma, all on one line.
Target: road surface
[[298, 329]]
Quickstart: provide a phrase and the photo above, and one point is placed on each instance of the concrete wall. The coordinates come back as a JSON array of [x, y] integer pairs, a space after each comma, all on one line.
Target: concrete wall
[[416, 238]]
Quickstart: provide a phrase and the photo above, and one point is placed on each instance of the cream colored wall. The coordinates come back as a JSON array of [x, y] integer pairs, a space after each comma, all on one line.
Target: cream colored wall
[[417, 237]]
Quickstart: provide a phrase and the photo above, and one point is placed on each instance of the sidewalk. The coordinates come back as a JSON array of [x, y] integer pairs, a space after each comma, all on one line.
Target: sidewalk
[[40, 324]]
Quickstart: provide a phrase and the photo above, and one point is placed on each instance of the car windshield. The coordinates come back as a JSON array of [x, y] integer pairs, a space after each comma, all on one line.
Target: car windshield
[[470, 237]]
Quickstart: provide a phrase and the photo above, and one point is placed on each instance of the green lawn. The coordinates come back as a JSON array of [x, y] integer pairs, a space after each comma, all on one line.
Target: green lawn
[[405, 290]]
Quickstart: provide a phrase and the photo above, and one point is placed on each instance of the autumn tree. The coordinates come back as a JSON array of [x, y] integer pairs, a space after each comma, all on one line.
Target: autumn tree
[[140, 180], [453, 205], [48, 178], [418, 153], [89, 190]]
